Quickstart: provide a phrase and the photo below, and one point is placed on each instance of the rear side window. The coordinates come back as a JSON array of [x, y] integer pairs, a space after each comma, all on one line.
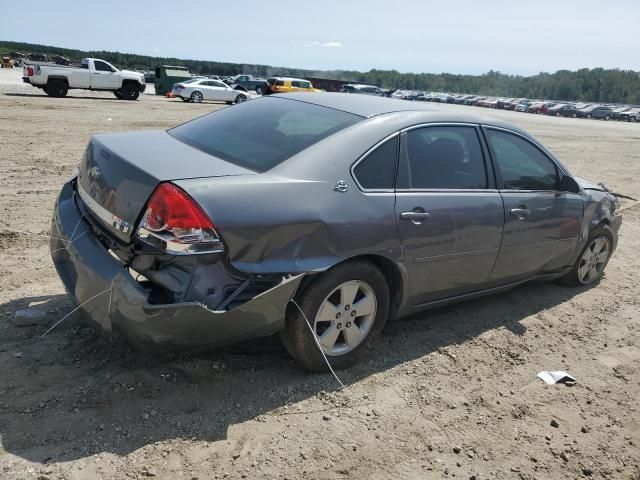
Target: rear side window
[[521, 165], [378, 169], [445, 157], [280, 83], [262, 133]]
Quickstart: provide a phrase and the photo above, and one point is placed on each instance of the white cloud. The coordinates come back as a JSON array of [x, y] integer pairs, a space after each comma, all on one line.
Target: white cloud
[[323, 44]]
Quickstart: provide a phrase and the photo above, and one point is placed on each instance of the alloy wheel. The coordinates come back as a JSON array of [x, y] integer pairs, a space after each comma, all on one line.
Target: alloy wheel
[[345, 317], [594, 259], [196, 97]]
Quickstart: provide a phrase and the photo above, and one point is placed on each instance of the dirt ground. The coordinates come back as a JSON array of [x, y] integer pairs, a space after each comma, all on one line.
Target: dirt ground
[[450, 393]]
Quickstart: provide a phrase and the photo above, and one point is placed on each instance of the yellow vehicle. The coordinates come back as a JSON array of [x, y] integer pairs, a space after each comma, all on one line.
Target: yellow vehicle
[[288, 84], [7, 62]]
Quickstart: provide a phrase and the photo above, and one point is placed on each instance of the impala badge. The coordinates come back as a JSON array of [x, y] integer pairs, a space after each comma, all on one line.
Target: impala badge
[[94, 173], [341, 186]]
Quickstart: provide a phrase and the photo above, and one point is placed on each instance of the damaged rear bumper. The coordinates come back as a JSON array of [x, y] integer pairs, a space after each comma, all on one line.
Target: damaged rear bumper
[[114, 299]]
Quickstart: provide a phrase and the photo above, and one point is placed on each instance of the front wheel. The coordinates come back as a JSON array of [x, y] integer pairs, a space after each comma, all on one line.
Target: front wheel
[[129, 92], [240, 98], [593, 259], [196, 97], [346, 308], [260, 90], [118, 95], [607, 117]]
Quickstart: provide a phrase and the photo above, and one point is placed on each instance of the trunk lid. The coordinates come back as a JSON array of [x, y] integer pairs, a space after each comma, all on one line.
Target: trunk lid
[[118, 173]]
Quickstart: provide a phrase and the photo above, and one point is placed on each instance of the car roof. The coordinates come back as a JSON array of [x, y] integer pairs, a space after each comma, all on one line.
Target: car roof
[[370, 106]]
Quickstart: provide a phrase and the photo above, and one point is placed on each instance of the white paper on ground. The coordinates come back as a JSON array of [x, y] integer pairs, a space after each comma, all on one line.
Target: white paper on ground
[[554, 377]]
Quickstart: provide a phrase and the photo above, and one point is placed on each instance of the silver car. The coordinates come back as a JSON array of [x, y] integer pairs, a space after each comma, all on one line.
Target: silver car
[[198, 90], [319, 217]]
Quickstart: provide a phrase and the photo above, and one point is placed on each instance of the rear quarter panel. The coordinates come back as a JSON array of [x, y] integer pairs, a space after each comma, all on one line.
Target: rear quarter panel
[[291, 220]]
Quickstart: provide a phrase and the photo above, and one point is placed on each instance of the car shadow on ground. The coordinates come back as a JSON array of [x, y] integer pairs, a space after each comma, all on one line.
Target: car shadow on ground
[[74, 393], [68, 97]]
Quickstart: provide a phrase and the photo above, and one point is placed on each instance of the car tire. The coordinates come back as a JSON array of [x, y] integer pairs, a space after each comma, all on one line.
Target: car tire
[[129, 91], [606, 118], [240, 98], [118, 95], [57, 88], [196, 97], [260, 90], [589, 115], [360, 282], [577, 276], [573, 115], [557, 114]]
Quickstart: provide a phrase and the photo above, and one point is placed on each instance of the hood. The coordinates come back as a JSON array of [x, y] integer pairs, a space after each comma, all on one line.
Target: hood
[[133, 74], [589, 185]]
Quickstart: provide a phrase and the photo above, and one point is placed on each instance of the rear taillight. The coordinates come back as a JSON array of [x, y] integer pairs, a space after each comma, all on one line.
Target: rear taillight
[[29, 72], [175, 222], [180, 87]]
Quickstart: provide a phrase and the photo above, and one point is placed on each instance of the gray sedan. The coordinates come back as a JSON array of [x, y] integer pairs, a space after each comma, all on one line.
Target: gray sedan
[[318, 216]]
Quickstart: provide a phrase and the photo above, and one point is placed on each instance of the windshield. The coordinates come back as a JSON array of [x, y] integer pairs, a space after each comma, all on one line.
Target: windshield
[[262, 133]]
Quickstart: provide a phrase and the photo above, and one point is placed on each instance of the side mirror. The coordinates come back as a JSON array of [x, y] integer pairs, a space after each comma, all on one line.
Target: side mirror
[[568, 184]]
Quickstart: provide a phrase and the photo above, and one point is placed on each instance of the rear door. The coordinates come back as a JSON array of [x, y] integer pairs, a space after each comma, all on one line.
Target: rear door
[[448, 212], [542, 223]]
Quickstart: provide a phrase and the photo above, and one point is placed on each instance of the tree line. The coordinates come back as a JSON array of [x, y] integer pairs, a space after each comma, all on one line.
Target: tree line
[[594, 85]]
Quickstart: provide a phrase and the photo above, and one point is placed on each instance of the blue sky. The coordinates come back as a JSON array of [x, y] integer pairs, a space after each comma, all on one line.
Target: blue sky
[[458, 36]]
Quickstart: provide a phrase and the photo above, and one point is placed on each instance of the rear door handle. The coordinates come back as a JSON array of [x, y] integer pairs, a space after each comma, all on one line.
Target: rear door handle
[[414, 216], [520, 213]]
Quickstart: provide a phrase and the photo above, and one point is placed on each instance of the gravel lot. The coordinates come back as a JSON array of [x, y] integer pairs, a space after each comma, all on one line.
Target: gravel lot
[[449, 393]]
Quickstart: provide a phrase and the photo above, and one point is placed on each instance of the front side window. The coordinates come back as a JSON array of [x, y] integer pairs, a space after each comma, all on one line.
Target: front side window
[[445, 157], [101, 66], [262, 133], [378, 169], [521, 165]]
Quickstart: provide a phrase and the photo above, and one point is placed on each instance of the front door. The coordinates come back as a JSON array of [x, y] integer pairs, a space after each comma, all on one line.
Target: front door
[[104, 77], [449, 215], [542, 223]]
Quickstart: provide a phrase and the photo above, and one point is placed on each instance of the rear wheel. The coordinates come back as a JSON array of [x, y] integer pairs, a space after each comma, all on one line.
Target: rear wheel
[[57, 88], [607, 117], [346, 308], [129, 91], [118, 95], [593, 258], [240, 98], [196, 97], [260, 90]]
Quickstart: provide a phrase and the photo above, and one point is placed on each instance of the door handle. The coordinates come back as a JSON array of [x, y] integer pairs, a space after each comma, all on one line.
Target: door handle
[[415, 216], [520, 213]]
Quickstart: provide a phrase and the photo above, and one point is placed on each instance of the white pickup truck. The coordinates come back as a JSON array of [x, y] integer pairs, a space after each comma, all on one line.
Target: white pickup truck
[[91, 74]]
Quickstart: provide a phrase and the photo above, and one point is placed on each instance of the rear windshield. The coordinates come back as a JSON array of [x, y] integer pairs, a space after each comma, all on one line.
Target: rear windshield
[[262, 133]]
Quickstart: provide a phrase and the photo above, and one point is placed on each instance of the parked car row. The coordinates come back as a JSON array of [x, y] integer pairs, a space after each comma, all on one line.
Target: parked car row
[[598, 111]]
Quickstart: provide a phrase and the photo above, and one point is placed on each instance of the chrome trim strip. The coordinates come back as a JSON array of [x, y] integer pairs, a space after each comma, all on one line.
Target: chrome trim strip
[[108, 218], [440, 124]]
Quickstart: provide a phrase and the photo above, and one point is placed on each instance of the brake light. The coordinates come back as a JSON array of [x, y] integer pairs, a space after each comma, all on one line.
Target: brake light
[[180, 87], [175, 222], [29, 72]]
